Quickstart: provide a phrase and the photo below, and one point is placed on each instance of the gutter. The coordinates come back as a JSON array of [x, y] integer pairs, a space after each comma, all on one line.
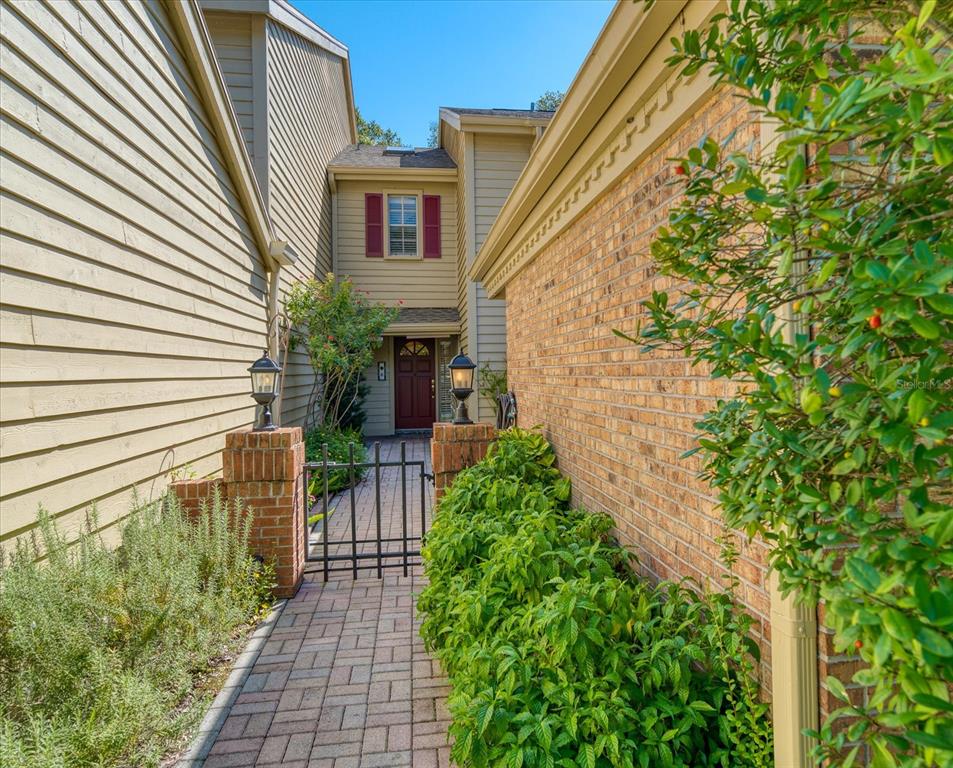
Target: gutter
[[370, 173]]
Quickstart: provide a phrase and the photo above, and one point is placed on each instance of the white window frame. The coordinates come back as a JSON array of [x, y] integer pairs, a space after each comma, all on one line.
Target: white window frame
[[388, 193]]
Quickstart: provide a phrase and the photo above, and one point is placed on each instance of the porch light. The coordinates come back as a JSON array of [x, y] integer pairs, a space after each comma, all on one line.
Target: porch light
[[461, 378], [264, 388]]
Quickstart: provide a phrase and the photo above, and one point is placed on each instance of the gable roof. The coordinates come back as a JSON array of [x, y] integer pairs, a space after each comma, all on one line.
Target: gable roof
[[374, 156]]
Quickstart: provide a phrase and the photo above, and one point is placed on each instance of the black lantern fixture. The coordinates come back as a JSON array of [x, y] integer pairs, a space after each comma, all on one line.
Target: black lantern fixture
[[461, 379], [264, 388]]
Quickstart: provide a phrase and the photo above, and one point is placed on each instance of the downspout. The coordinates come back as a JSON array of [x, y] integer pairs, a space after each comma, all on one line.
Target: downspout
[[794, 689], [278, 258]]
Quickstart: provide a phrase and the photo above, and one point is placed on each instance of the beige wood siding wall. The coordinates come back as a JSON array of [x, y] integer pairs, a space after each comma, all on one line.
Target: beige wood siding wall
[[379, 403], [232, 36], [133, 296], [498, 162], [307, 126], [418, 282]]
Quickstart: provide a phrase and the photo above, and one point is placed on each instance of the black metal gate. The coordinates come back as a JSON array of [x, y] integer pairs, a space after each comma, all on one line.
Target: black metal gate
[[385, 533]]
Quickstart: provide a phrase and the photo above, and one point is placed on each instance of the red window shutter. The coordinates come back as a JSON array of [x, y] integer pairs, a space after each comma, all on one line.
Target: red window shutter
[[373, 225], [431, 226]]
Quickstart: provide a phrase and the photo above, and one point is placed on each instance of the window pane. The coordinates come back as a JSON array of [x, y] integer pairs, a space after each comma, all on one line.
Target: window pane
[[402, 224]]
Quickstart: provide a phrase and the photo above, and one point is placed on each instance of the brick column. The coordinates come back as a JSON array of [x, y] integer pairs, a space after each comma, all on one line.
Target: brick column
[[455, 447], [264, 470]]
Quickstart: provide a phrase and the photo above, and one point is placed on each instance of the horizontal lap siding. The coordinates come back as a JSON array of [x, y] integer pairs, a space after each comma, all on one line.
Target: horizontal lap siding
[[620, 419], [498, 162], [133, 296], [418, 282], [307, 126]]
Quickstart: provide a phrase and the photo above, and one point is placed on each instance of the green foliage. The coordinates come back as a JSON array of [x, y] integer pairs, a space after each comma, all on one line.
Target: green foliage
[[550, 101], [433, 135], [99, 647], [372, 132], [492, 384], [339, 443], [339, 328], [817, 275], [557, 655]]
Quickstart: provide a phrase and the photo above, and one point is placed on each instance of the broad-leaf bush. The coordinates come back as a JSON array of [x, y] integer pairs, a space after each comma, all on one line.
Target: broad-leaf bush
[[839, 452], [557, 654], [99, 647]]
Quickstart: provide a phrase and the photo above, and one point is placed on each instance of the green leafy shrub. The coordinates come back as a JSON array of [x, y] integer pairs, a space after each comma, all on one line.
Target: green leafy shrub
[[816, 274], [556, 653], [100, 647], [339, 451]]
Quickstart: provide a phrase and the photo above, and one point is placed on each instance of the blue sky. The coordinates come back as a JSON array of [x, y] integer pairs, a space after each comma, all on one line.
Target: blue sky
[[409, 58]]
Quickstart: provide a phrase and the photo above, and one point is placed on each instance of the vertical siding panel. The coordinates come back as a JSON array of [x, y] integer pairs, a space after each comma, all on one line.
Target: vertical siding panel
[[231, 35], [133, 297]]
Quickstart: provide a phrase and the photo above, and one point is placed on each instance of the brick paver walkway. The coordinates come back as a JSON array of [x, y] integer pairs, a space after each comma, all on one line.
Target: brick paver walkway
[[344, 680]]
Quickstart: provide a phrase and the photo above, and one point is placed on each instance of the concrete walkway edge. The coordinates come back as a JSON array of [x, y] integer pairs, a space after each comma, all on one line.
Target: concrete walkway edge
[[212, 722]]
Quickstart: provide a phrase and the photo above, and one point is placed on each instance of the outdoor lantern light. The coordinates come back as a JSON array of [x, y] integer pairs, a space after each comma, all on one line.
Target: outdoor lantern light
[[461, 378], [264, 388]]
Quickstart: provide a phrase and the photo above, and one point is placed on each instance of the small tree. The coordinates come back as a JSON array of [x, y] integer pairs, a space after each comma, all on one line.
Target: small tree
[[339, 328], [550, 101], [372, 132], [839, 454], [433, 135]]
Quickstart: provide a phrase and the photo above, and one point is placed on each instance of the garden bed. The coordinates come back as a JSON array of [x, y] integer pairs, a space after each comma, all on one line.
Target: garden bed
[[557, 653], [108, 655]]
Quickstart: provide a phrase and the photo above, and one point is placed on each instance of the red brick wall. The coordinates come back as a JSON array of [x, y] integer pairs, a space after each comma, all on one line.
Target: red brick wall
[[262, 470], [620, 418], [455, 447]]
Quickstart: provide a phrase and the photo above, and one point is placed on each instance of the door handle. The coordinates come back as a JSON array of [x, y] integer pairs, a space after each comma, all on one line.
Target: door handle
[[433, 391]]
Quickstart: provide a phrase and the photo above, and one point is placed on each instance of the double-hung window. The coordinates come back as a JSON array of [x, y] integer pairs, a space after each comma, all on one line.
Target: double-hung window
[[402, 225]]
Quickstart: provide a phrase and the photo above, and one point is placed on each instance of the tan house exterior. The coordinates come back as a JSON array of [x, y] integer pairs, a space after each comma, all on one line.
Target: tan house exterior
[[152, 177], [290, 86], [569, 252], [465, 181]]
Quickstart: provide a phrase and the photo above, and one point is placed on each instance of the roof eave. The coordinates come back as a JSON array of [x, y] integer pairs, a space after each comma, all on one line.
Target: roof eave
[[628, 36], [369, 173], [422, 329]]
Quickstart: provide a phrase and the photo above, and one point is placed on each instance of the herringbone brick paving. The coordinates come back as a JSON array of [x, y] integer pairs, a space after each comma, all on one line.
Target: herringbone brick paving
[[344, 680]]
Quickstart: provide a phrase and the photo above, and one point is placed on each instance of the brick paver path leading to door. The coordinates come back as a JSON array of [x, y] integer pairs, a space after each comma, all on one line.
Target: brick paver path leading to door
[[344, 680]]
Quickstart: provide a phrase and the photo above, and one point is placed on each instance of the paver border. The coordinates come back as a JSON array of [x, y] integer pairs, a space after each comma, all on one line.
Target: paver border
[[212, 723]]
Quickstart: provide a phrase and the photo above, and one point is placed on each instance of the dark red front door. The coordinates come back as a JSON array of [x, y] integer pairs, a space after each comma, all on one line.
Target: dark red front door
[[416, 396]]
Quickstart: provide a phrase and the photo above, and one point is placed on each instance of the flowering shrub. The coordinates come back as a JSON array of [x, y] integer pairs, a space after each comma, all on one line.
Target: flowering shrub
[[817, 275], [339, 328]]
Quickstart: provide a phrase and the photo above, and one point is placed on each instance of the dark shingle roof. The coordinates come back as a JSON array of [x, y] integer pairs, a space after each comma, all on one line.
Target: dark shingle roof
[[373, 156], [540, 114], [428, 315]]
